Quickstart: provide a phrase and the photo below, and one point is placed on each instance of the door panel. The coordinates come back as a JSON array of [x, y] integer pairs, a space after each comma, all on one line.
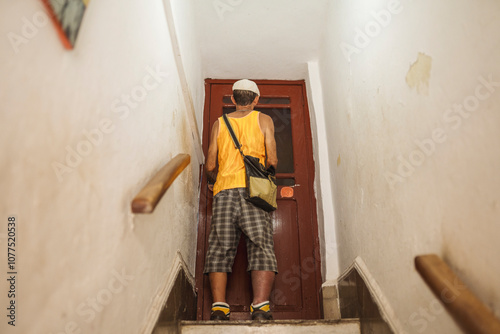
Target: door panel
[[296, 291]]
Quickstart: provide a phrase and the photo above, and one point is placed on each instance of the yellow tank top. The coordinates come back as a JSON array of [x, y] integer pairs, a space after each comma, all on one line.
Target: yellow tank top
[[231, 167]]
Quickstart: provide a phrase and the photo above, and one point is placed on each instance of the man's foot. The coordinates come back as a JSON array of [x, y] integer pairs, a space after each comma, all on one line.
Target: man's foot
[[261, 311], [220, 311]]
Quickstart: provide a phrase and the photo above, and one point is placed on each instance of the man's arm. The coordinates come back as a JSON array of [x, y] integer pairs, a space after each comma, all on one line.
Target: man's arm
[[212, 154], [267, 126]]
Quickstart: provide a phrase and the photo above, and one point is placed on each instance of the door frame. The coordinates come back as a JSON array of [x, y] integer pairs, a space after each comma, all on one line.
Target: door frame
[[203, 205]]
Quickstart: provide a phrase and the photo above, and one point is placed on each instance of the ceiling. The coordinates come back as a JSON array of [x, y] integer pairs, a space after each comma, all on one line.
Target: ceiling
[[259, 39]]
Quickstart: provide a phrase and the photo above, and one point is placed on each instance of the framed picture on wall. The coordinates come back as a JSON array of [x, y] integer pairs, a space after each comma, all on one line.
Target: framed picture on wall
[[67, 16]]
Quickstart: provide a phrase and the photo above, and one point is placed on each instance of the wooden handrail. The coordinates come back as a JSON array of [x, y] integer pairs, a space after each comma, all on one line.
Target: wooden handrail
[[147, 199], [467, 310]]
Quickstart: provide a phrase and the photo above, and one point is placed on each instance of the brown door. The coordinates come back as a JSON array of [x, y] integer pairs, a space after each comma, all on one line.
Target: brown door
[[296, 293]]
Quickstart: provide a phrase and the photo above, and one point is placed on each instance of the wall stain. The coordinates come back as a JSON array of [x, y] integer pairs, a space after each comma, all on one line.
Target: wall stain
[[338, 161], [419, 74]]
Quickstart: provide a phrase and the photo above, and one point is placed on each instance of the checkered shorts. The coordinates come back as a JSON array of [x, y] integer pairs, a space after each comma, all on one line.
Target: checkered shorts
[[231, 215]]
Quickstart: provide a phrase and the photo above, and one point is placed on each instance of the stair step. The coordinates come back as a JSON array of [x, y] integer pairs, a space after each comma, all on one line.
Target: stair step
[[278, 326]]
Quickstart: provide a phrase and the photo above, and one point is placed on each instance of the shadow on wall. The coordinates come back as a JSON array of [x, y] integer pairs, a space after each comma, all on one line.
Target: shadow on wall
[[180, 305], [356, 302]]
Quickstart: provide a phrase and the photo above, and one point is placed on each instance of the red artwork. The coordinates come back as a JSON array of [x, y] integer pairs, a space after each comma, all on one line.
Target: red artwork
[[67, 16]]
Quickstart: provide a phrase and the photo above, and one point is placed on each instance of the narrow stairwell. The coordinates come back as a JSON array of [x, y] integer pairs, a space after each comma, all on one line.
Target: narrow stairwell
[[277, 326]]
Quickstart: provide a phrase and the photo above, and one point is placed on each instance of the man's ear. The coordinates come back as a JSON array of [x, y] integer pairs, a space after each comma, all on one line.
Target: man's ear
[[232, 99], [256, 100]]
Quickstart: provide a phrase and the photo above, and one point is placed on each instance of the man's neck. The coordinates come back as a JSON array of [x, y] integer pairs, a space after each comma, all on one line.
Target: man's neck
[[244, 108], [242, 111]]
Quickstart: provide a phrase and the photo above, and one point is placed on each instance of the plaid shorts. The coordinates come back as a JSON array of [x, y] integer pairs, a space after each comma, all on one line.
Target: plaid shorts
[[231, 215]]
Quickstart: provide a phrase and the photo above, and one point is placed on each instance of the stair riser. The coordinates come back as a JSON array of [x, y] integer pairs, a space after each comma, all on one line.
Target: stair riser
[[272, 329]]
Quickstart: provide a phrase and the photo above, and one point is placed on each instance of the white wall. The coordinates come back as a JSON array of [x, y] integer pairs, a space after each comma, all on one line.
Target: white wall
[[322, 182], [76, 232], [377, 106], [183, 12]]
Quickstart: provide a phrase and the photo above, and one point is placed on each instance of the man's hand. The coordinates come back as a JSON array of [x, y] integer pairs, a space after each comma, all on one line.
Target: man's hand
[[212, 177]]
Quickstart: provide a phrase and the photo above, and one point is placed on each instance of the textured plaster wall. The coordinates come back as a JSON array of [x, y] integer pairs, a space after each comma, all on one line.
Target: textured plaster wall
[[85, 263], [413, 133]]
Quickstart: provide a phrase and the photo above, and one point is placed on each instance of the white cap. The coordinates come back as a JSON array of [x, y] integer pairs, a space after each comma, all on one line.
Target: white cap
[[246, 84]]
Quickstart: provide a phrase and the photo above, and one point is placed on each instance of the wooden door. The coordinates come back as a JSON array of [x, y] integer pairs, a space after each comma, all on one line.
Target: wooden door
[[296, 293]]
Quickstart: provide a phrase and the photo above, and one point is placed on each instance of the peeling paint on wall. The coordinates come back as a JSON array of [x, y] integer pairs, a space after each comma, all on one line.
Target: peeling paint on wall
[[419, 74]]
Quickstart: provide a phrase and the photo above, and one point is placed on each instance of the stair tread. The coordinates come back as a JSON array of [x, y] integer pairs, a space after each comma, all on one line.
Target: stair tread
[[349, 326]]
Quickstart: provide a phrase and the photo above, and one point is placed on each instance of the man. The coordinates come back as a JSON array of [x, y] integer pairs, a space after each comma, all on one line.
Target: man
[[231, 213]]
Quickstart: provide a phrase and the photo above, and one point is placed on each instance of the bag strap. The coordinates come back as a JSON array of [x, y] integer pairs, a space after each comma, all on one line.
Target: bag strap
[[233, 135]]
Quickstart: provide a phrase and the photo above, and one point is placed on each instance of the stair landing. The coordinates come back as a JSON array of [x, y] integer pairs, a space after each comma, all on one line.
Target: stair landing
[[276, 326]]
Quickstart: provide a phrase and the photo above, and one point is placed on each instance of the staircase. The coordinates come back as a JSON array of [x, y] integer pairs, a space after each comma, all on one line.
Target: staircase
[[277, 326]]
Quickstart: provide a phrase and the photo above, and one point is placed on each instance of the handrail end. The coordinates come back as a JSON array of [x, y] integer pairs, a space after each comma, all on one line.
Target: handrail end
[[421, 259], [141, 205]]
